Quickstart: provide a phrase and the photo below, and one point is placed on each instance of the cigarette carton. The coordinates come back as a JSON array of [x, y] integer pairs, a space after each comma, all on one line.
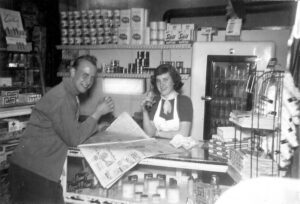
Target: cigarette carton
[[124, 37], [137, 18], [125, 18]]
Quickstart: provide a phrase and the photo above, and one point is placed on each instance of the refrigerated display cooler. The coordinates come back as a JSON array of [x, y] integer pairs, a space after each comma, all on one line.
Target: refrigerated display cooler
[[220, 77]]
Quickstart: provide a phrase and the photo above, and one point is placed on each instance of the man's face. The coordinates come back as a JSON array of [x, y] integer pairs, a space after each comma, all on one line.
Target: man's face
[[84, 76]]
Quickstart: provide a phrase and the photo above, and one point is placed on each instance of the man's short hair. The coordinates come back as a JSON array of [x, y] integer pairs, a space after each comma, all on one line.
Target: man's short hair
[[92, 59]]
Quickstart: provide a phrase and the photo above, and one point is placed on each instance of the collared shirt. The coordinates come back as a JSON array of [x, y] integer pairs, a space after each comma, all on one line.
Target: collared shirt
[[53, 127]]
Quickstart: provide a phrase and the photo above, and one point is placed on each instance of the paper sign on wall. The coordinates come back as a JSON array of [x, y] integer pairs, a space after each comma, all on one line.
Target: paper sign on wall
[[13, 27]]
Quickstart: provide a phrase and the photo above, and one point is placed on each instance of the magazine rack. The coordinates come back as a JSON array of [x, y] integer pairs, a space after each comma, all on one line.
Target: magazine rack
[[262, 157]]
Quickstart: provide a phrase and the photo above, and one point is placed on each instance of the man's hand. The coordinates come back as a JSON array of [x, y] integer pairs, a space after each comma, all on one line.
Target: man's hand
[[104, 107]]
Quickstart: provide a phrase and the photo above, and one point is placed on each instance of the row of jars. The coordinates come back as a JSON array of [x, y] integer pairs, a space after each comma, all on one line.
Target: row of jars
[[91, 23], [95, 40], [90, 14], [92, 32]]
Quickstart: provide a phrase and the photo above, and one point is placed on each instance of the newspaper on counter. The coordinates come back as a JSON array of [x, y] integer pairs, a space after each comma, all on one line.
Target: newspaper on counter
[[115, 151]]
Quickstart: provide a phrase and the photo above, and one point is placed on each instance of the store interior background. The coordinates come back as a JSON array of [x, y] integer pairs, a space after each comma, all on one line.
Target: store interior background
[[270, 23]]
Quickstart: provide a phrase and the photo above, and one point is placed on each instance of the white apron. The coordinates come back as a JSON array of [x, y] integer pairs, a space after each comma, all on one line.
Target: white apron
[[162, 124]]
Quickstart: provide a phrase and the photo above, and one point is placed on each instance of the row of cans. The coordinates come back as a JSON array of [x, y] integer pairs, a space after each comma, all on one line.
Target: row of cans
[[90, 14], [91, 23], [92, 32], [99, 40]]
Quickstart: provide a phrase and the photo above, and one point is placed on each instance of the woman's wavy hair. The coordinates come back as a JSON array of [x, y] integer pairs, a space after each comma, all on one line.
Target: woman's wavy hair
[[167, 68]]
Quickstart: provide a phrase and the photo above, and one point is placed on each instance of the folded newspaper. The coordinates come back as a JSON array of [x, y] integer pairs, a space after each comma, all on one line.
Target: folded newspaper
[[115, 151]]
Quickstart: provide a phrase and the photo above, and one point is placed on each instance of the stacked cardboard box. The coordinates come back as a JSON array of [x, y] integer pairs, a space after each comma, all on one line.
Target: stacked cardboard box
[[133, 26], [180, 33]]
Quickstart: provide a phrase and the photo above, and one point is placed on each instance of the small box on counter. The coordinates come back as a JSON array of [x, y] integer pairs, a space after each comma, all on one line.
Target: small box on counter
[[6, 150], [7, 100], [14, 93], [29, 97], [5, 81]]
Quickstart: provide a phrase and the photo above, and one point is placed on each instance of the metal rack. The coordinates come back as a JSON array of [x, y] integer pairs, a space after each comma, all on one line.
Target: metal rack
[[264, 123]]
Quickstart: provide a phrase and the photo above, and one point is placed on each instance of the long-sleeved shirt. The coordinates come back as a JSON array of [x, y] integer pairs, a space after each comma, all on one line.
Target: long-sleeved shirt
[[52, 128]]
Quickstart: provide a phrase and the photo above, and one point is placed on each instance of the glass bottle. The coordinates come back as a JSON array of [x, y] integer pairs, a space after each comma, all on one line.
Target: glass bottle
[[216, 192]]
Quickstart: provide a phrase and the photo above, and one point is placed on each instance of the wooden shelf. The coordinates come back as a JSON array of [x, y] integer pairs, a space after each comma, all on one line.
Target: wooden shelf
[[121, 75], [17, 48], [15, 111], [113, 46]]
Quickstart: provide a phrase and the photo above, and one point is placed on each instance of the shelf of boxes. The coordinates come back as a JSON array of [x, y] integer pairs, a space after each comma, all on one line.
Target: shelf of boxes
[[114, 46], [15, 111]]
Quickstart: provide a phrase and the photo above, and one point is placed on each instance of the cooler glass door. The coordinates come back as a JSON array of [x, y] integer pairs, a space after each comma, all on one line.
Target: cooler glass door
[[227, 80]]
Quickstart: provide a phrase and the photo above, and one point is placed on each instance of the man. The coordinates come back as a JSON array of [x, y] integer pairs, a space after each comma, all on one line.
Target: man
[[37, 162]]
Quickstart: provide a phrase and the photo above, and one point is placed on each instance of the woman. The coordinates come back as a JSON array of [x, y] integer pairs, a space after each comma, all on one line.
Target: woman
[[171, 113]]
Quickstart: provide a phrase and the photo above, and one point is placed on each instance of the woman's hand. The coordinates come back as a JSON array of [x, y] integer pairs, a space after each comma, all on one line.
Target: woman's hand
[[147, 102]]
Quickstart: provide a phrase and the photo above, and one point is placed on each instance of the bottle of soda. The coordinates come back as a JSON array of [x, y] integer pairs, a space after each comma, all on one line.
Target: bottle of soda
[[215, 187]]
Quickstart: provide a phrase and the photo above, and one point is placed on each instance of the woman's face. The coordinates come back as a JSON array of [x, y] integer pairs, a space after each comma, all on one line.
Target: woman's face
[[165, 84]]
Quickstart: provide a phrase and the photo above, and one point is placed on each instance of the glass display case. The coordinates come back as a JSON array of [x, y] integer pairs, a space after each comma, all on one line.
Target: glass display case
[[172, 178]]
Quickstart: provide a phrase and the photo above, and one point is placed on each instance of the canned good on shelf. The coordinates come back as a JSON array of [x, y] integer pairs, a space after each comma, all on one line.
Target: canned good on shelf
[[116, 22], [64, 32], [154, 42], [153, 35], [64, 40], [100, 31], [85, 32], [92, 23], [76, 15], [71, 32], [84, 23], [64, 23], [97, 13], [161, 42], [153, 25], [71, 40], [63, 15], [78, 32], [161, 35], [107, 39], [100, 40], [78, 23], [70, 15], [106, 22], [78, 40], [93, 32], [104, 13], [84, 14], [116, 13], [114, 31], [91, 14], [99, 22], [71, 23], [94, 41], [86, 40], [114, 39], [161, 25]]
